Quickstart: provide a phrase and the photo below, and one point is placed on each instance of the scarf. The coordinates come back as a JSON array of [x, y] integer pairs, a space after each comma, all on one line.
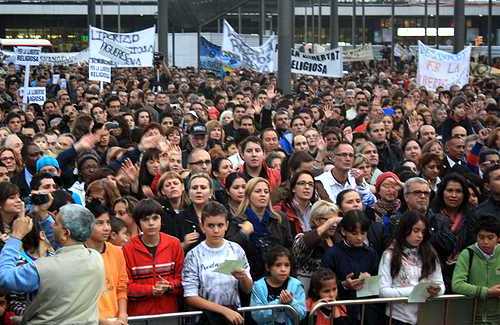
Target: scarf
[[456, 220], [383, 212], [303, 216], [259, 227]]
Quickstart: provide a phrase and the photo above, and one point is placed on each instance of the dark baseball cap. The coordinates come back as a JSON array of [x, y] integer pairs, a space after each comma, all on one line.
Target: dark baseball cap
[[198, 129]]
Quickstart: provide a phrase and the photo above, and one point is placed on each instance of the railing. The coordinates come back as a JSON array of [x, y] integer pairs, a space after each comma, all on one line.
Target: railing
[[435, 306], [176, 318]]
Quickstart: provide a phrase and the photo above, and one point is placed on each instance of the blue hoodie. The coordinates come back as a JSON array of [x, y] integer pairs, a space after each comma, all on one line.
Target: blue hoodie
[[268, 317]]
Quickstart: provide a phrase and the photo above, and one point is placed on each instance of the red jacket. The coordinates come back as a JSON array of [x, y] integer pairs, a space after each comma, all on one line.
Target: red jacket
[[293, 219], [272, 175], [144, 270]]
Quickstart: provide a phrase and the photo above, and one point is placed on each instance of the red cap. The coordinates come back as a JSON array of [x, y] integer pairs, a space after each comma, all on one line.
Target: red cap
[[382, 177]]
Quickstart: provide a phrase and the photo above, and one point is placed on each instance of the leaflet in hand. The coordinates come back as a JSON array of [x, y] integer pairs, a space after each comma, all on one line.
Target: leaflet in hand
[[419, 293], [371, 287], [229, 266]]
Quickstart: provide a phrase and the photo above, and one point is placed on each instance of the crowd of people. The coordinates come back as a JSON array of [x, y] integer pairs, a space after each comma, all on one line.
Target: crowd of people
[[172, 189]]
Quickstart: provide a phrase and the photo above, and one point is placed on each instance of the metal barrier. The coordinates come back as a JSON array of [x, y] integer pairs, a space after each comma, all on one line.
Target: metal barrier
[[428, 310], [176, 318]]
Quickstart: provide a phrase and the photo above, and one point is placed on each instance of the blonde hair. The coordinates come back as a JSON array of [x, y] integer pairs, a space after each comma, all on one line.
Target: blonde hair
[[173, 175], [360, 159], [250, 187], [320, 209]]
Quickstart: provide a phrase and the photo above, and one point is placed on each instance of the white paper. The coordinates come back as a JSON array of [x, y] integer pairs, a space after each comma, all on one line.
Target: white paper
[[419, 293], [371, 287], [229, 266]]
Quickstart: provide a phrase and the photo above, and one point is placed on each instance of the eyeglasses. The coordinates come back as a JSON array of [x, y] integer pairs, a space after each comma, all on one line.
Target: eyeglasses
[[201, 162], [7, 158], [420, 193], [345, 155], [304, 183]]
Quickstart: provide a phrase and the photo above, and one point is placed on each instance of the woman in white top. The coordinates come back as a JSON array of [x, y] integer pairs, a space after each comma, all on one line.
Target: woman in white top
[[407, 262]]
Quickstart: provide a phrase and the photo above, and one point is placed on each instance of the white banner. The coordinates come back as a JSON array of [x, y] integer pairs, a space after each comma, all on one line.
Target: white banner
[[327, 64], [260, 59], [27, 55], [437, 68], [36, 95], [123, 49], [100, 70], [61, 58], [359, 53]]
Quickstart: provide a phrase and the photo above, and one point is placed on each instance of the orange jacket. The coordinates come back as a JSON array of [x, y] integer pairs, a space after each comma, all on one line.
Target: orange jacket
[[115, 289]]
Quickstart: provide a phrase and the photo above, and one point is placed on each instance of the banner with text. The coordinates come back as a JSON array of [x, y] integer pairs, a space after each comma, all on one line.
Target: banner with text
[[260, 59], [36, 95], [61, 58], [123, 49], [27, 55], [326, 64], [438, 68], [359, 53], [100, 70], [212, 58]]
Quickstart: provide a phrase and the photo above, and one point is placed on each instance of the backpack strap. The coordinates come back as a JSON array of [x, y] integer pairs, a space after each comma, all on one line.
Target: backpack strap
[[471, 258]]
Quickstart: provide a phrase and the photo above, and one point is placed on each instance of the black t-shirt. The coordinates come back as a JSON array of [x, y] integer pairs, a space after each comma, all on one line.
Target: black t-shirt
[[151, 249], [274, 293]]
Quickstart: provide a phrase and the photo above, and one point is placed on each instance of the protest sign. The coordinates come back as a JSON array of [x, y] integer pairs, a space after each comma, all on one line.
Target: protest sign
[[123, 49], [360, 53], [212, 58], [27, 56], [61, 58], [100, 70], [260, 59], [327, 64], [36, 95], [437, 68]]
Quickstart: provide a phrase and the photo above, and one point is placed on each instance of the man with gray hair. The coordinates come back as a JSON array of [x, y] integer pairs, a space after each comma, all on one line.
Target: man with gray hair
[[417, 193], [68, 284]]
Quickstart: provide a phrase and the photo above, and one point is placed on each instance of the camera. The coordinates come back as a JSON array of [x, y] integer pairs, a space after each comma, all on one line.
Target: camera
[[157, 59], [39, 199]]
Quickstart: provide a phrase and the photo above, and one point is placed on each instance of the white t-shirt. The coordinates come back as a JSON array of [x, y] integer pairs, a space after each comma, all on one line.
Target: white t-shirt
[[199, 278]]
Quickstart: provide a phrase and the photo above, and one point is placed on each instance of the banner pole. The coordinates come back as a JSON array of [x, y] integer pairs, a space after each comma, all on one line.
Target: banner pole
[[26, 85]]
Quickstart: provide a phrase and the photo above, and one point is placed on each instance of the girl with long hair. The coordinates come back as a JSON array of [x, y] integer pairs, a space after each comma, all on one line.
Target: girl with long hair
[[409, 261]]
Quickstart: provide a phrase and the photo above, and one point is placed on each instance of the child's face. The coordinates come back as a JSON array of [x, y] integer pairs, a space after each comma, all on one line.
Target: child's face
[[214, 228], [416, 236], [150, 225], [101, 229], [487, 241], [328, 290], [120, 238], [355, 238], [280, 270], [42, 143]]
